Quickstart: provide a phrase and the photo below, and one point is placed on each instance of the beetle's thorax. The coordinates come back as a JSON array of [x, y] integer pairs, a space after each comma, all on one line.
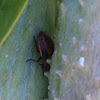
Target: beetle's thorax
[[45, 63], [46, 66]]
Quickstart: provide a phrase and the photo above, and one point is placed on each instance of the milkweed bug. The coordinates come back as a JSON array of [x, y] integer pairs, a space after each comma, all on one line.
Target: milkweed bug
[[45, 47]]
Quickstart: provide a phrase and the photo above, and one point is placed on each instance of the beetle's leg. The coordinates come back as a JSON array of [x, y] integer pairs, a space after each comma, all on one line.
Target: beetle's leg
[[34, 60], [35, 44], [42, 68]]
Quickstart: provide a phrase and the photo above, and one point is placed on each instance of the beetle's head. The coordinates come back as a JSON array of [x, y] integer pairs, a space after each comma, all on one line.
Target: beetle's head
[[46, 66]]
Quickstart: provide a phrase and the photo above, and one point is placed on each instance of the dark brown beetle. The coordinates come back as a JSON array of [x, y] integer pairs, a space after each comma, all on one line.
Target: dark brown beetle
[[46, 49]]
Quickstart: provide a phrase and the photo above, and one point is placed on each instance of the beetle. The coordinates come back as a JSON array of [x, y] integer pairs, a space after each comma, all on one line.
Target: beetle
[[45, 47]]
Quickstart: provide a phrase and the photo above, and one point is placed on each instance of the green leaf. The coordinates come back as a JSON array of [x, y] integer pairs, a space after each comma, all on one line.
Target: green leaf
[[21, 80], [10, 11]]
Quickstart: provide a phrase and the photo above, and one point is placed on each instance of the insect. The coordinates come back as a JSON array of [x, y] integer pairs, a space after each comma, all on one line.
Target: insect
[[45, 47]]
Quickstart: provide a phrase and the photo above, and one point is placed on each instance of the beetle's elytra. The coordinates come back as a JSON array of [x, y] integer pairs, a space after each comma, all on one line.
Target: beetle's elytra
[[45, 46]]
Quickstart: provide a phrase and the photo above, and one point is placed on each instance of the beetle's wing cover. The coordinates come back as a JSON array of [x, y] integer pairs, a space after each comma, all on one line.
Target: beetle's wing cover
[[45, 54], [45, 44], [49, 45]]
